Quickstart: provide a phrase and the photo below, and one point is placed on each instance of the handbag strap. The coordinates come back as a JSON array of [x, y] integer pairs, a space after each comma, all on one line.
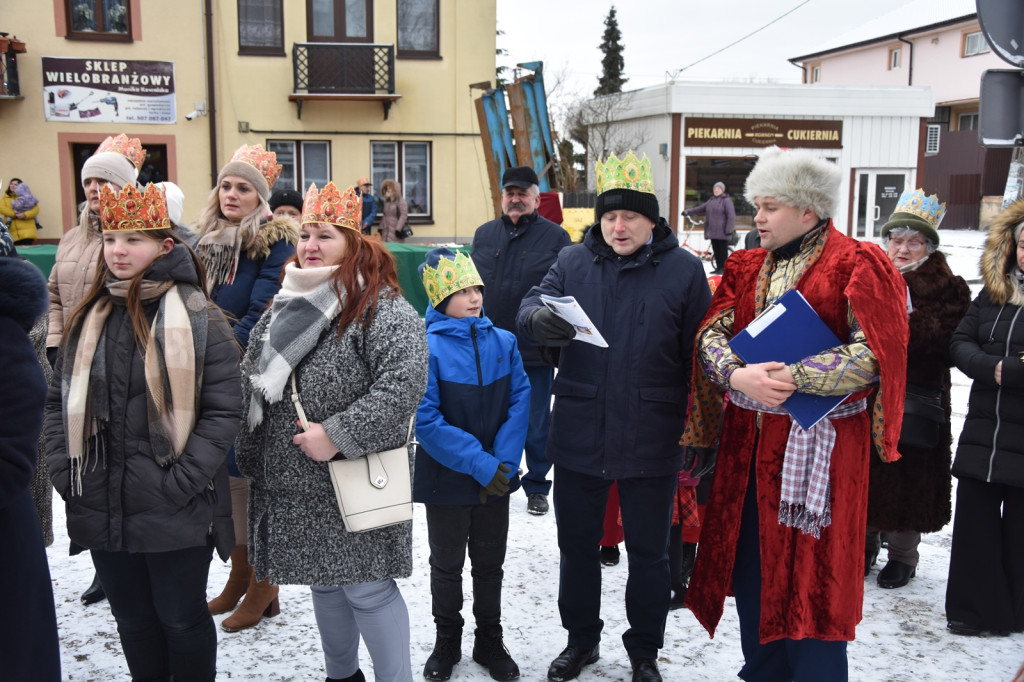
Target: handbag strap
[[304, 422]]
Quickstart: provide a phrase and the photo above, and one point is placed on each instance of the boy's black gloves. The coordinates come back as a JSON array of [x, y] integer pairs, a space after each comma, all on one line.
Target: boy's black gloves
[[549, 329], [498, 485]]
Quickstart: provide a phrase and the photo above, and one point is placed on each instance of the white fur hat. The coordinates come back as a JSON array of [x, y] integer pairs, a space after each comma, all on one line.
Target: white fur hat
[[175, 200], [796, 177]]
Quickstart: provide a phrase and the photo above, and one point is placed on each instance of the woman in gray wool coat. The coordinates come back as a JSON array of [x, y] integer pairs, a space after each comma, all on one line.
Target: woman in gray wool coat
[[359, 354]]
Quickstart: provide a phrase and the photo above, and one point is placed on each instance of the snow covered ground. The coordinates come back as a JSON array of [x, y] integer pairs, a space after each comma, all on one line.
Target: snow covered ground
[[902, 637]]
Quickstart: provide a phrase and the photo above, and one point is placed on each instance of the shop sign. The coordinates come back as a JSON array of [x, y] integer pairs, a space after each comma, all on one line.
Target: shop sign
[[108, 90], [762, 132]]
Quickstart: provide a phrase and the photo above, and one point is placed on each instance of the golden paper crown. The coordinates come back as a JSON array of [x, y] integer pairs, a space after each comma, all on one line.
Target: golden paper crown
[[450, 276], [263, 161], [130, 209], [926, 207], [333, 207], [627, 173], [129, 148]]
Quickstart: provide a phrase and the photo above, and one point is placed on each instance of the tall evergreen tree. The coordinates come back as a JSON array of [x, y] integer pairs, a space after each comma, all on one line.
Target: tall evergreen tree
[[612, 64]]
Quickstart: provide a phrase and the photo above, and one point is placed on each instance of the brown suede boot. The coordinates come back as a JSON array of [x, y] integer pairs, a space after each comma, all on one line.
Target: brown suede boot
[[238, 582], [260, 600]]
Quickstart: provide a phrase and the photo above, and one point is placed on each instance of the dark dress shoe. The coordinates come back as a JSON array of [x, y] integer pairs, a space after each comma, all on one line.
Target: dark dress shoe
[[570, 662], [609, 556], [645, 670], [870, 557], [960, 628], [94, 593], [896, 574]]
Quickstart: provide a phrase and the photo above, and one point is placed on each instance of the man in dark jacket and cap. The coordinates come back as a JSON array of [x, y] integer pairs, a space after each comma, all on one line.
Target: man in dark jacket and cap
[[619, 411], [512, 254]]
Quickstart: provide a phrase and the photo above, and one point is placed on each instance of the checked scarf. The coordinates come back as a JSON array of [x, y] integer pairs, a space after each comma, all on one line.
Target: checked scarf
[[302, 310], [219, 250], [174, 358], [804, 503]]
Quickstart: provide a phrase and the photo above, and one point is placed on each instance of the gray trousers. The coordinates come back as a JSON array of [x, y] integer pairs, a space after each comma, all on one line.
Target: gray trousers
[[902, 545], [377, 612]]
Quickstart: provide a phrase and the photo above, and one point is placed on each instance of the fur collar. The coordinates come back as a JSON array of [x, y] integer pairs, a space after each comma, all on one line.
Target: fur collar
[[270, 233], [999, 260]]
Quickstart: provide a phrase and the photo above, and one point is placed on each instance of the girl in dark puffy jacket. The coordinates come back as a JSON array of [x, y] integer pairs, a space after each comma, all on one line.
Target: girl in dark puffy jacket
[[142, 409]]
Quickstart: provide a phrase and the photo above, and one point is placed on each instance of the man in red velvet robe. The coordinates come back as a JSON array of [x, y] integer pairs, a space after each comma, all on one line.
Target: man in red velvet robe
[[784, 528]]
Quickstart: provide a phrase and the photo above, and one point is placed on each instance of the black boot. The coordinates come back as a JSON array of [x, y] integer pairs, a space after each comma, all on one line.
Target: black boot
[[95, 591], [490, 652], [357, 676], [447, 652]]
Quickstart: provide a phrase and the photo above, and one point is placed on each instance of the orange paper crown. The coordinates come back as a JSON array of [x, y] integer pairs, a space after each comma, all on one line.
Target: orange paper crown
[[263, 161], [130, 209], [331, 206], [128, 147]]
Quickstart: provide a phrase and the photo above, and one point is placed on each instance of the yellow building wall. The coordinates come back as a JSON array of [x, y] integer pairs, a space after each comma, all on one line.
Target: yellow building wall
[[436, 105]]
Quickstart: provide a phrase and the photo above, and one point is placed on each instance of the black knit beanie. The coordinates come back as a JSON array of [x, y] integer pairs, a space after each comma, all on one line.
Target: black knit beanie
[[627, 200]]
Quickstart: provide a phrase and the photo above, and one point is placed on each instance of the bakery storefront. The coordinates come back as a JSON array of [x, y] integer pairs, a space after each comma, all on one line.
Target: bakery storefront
[[697, 134]]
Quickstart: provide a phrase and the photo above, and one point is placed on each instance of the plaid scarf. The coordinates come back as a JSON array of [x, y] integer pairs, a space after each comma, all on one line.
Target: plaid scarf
[[804, 502], [219, 250], [300, 313], [174, 358]]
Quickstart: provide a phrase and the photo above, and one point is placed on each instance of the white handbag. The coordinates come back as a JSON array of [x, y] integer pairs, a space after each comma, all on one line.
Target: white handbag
[[373, 491]]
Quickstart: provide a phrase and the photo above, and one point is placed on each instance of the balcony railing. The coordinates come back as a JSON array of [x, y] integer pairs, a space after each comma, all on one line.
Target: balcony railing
[[344, 71]]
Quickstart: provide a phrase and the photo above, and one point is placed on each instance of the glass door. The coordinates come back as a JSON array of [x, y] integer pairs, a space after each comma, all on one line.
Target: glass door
[[876, 193]]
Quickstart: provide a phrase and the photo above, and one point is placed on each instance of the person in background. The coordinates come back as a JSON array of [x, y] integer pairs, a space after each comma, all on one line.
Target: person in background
[[116, 162], [244, 249], [29, 647], [619, 410], [719, 224], [512, 254], [369, 204], [358, 355], [985, 588], [912, 496], [471, 426], [142, 409], [20, 207], [286, 203], [396, 212], [788, 508]]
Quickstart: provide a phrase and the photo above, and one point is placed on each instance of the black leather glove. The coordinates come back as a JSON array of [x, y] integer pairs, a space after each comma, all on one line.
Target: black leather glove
[[51, 356], [549, 329], [498, 485], [684, 212], [699, 461]]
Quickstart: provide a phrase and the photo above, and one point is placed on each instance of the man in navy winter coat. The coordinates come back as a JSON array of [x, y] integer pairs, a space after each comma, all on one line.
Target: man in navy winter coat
[[512, 254], [619, 411]]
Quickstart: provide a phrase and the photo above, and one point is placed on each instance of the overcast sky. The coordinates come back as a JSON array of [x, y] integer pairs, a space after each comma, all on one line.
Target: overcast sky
[[663, 36]]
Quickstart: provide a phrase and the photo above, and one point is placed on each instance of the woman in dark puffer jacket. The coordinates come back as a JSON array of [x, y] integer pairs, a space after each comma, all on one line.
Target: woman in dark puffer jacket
[[144, 404], [985, 590]]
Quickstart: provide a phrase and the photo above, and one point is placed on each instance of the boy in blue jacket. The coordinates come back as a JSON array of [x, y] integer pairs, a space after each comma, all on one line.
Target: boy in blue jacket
[[471, 428]]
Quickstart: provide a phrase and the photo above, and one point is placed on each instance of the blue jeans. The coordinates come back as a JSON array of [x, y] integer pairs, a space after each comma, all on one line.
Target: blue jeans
[[159, 602], [537, 464], [646, 505], [783, 660], [483, 530]]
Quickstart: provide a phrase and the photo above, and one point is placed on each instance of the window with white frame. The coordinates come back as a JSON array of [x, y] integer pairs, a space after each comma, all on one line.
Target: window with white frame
[[409, 164], [967, 121], [975, 43], [816, 73], [931, 140], [303, 162], [895, 55]]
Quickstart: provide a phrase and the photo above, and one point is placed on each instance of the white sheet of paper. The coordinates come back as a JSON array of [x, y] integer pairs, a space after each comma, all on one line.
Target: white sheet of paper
[[569, 310]]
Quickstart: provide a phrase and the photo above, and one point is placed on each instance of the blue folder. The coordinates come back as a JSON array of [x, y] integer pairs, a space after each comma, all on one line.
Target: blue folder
[[789, 331]]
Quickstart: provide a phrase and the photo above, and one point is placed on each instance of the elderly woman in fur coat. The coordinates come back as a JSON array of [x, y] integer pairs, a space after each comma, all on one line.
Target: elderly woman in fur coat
[[912, 495], [985, 589]]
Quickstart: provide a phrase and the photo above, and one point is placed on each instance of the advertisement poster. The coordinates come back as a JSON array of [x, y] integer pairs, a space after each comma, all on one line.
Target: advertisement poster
[[108, 90]]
